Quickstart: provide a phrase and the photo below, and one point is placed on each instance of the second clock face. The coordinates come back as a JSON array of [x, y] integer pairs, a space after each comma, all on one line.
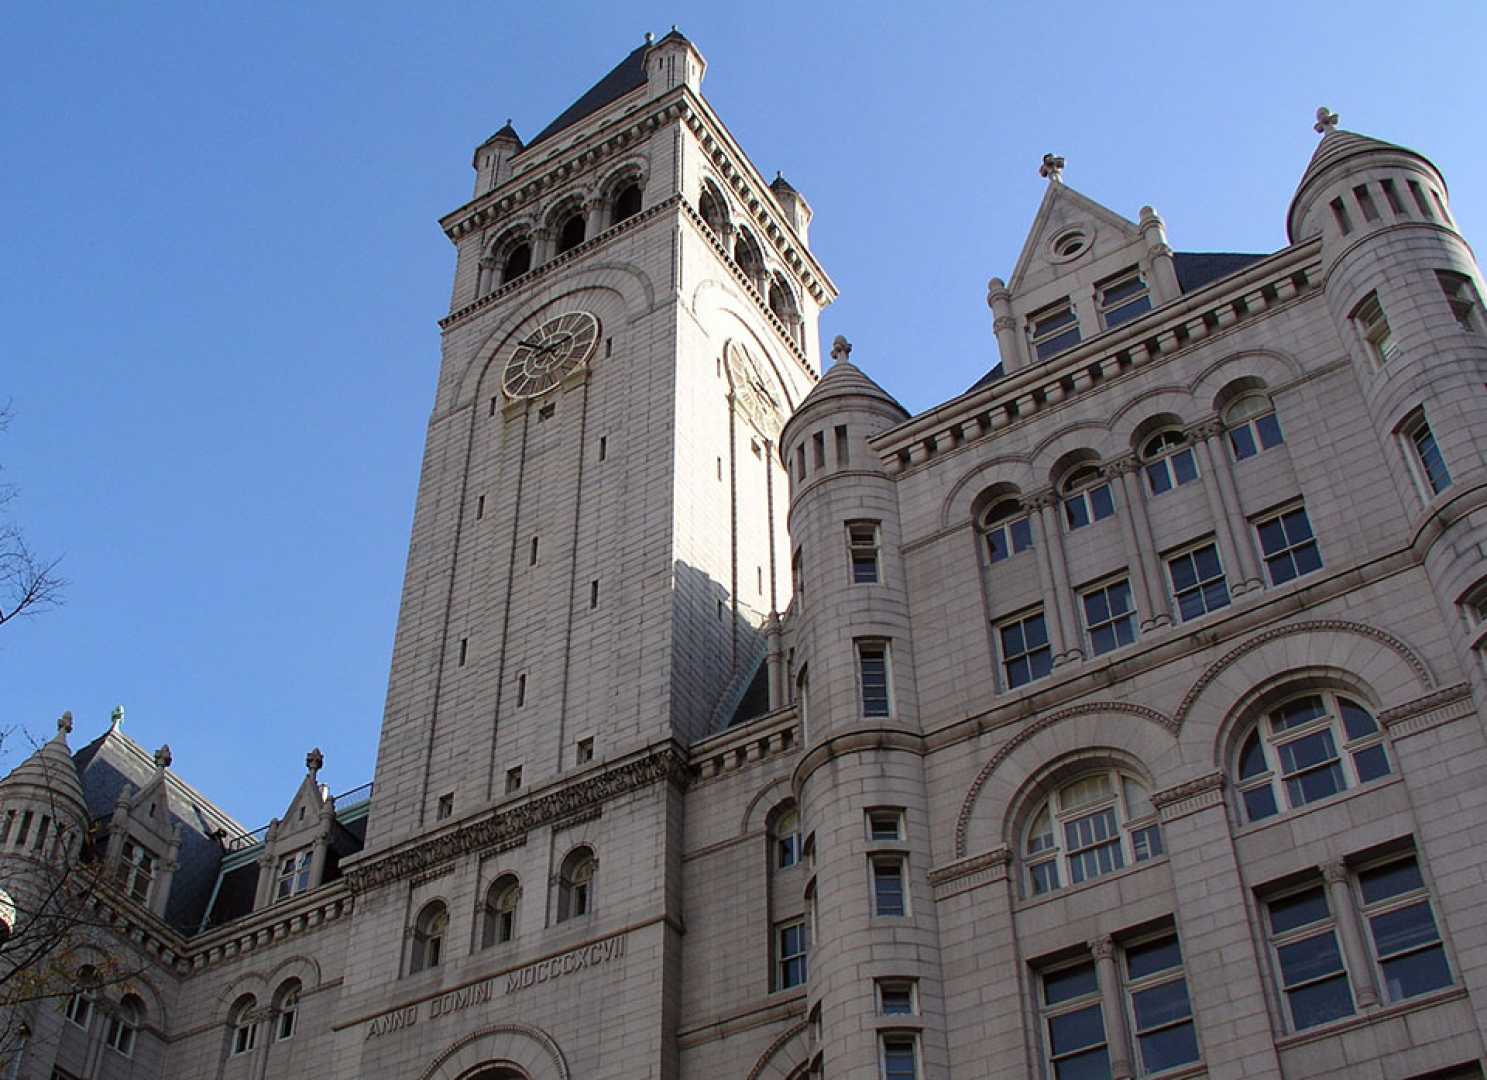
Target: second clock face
[[542, 359]]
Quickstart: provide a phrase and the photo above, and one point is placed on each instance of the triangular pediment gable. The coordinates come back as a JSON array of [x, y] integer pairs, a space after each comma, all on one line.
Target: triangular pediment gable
[[304, 809], [1063, 209], [153, 808]]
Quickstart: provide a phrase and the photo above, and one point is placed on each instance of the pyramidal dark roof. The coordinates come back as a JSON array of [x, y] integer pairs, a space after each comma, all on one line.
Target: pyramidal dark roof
[[779, 183], [506, 132], [627, 75], [845, 379]]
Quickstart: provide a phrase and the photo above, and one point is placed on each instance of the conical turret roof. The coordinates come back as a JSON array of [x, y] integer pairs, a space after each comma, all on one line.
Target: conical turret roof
[[1337, 146], [846, 379], [51, 768]]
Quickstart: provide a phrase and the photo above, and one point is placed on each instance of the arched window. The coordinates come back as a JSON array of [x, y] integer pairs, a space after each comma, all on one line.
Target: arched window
[[576, 884], [518, 262], [626, 203], [123, 1024], [1252, 425], [1169, 461], [499, 1073], [1009, 530], [286, 1006], [570, 233], [714, 211], [1306, 749], [1089, 827], [786, 836], [244, 1023], [749, 258], [429, 930], [79, 1007], [500, 911], [782, 302], [1087, 497]]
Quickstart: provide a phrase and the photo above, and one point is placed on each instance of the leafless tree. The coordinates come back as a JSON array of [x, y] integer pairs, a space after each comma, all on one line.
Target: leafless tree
[[29, 583]]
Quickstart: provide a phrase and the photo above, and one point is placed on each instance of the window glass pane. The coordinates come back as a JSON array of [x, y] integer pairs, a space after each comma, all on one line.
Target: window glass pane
[[897, 1000], [1076, 511], [1184, 572], [1242, 440], [1307, 752], [1022, 535], [1252, 757], [1371, 763], [1309, 959], [1138, 802], [1085, 791], [1012, 639], [1298, 909], [1166, 1049], [1091, 1065], [1096, 606], [1153, 956], [1269, 428], [1314, 785], [1076, 1030], [1121, 289], [1126, 312], [1040, 663], [1321, 1002], [1272, 536], [1068, 983], [1393, 879], [1044, 877], [1184, 465], [1403, 929], [1297, 526], [1102, 501], [1158, 477], [1036, 631], [1161, 1004], [1147, 843], [1259, 803], [1298, 712], [1417, 973], [996, 541], [1307, 559]]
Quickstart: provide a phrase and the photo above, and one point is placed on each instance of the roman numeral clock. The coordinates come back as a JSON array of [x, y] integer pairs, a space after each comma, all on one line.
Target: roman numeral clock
[[556, 349]]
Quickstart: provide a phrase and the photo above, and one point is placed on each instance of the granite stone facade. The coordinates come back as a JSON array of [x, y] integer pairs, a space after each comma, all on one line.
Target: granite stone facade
[[1122, 716]]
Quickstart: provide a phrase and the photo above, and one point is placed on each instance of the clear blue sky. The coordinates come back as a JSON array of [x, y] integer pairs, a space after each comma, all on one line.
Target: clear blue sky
[[220, 274]]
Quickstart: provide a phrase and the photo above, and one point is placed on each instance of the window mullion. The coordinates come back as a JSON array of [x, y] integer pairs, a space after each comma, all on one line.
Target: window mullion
[[1117, 1032], [1350, 930]]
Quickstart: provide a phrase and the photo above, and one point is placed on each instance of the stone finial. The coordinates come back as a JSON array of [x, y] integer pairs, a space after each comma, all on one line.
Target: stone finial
[[1052, 168], [64, 723], [1326, 121], [116, 718], [314, 761], [650, 38], [162, 757], [841, 349]]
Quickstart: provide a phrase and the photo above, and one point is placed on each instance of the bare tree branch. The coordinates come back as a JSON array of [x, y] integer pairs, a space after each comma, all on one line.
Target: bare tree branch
[[29, 584]]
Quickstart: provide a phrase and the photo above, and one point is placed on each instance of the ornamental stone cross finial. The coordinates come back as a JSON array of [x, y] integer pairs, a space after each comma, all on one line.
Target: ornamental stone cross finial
[[116, 718], [163, 757], [841, 349], [314, 761], [64, 723], [1326, 121], [1052, 168]]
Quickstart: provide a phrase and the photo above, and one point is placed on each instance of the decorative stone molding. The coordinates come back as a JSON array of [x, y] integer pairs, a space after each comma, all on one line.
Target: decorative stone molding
[[665, 765], [574, 820], [546, 1046], [1187, 798], [1317, 626], [1003, 323], [1430, 711], [964, 875], [775, 1047], [1126, 463], [1003, 752], [1206, 429], [1334, 871], [1102, 948]]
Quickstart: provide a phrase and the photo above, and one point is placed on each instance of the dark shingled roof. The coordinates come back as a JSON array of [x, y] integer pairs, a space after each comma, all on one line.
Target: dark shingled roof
[[998, 372], [779, 183], [506, 132], [628, 75], [1196, 269]]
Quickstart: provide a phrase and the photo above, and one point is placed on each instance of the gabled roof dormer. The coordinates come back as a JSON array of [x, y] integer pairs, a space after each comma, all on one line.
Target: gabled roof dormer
[[144, 842]]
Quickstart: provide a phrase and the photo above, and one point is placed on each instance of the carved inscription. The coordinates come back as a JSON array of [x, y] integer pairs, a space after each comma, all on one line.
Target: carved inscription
[[481, 993]]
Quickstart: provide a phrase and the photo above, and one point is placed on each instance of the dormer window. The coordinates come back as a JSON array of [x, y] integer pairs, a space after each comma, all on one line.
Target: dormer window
[[1055, 329], [1122, 298], [294, 874], [136, 871]]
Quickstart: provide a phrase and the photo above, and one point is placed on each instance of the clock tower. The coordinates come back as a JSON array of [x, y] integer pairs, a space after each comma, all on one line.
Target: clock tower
[[598, 556]]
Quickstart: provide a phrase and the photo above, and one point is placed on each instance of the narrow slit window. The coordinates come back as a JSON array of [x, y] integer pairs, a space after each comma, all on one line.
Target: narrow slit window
[[1365, 202], [583, 753], [1391, 196], [1461, 295], [494, 403], [818, 450], [480, 508], [464, 650], [446, 807], [532, 558], [521, 690], [862, 550], [1340, 215], [1432, 463], [800, 461], [593, 594], [1374, 325], [872, 668], [1419, 197], [842, 452], [513, 780], [603, 447], [1440, 204]]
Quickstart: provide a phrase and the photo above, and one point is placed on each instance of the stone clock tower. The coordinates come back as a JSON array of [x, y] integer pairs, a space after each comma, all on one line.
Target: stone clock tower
[[599, 551]]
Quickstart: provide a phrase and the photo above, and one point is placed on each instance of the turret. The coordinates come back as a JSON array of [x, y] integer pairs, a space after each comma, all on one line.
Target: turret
[[793, 203], [674, 61], [1404, 292], [492, 160], [860, 782]]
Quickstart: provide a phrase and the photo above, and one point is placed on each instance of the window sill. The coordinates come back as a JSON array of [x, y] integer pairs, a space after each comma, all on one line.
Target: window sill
[[1286, 816], [1027, 902], [1376, 1014]]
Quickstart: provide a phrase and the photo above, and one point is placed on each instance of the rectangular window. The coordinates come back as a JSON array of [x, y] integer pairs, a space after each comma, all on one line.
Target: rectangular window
[[720, 469], [1428, 454], [464, 650], [244, 1037], [1157, 991], [593, 594], [1074, 1023], [900, 1057], [1249, 436], [872, 670], [1088, 505], [797, 574], [818, 450], [1122, 298], [136, 871], [885, 823], [1419, 197], [1461, 295], [1401, 928], [1198, 584], [1287, 543], [792, 943], [1308, 960], [603, 447], [294, 872], [1391, 196], [1008, 535], [1340, 215], [1054, 329], [843, 451], [521, 690], [800, 461], [513, 780], [480, 508], [862, 548], [494, 403], [446, 807], [896, 997], [532, 558], [1365, 202], [1026, 654], [583, 753], [888, 885], [1369, 315], [1109, 616]]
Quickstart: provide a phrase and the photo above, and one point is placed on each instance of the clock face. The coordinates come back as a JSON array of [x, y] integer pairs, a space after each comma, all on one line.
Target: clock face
[[547, 354]]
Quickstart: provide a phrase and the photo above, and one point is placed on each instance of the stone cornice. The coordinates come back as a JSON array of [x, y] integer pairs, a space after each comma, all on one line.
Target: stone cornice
[[1432, 710], [964, 875], [666, 763], [1189, 797]]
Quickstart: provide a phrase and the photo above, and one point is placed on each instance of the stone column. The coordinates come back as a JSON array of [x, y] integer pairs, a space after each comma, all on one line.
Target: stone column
[[1164, 285], [543, 242], [775, 659], [1228, 515], [1117, 1034], [1350, 933], [594, 217], [1008, 340], [1063, 628], [1135, 529]]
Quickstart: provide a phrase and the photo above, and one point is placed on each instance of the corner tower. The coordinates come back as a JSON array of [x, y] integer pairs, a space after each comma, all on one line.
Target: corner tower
[[599, 541]]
